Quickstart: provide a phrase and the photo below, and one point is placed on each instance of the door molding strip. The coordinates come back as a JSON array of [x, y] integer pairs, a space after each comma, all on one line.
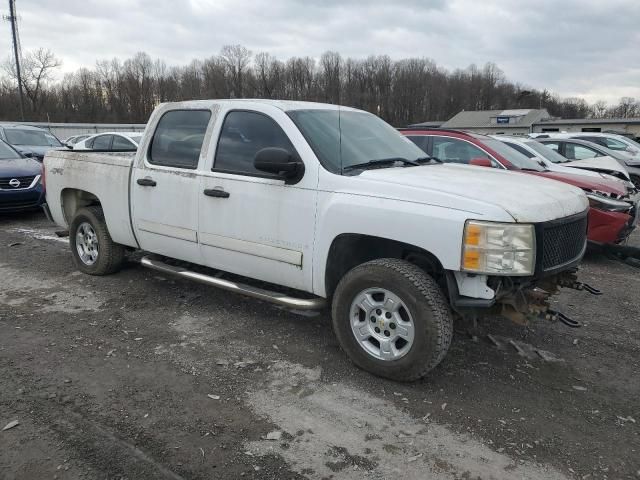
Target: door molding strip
[[251, 248], [168, 230]]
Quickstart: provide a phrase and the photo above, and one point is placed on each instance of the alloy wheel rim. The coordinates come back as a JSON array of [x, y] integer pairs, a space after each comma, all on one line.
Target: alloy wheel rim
[[87, 243], [382, 324]]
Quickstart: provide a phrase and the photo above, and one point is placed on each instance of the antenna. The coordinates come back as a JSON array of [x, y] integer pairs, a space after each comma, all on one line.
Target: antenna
[[13, 18]]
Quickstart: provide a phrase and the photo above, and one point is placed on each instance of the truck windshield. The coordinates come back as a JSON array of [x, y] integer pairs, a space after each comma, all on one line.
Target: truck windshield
[[343, 138], [19, 136]]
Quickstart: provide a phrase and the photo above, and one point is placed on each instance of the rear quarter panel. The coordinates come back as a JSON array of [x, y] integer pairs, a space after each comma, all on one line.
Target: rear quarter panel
[[103, 175]]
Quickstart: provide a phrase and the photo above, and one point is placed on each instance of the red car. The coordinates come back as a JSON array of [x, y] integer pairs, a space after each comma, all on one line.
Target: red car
[[612, 215]]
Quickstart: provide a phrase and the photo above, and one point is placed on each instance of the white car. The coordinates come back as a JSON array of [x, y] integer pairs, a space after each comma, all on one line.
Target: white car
[[110, 141], [72, 140], [320, 206], [604, 167], [612, 141]]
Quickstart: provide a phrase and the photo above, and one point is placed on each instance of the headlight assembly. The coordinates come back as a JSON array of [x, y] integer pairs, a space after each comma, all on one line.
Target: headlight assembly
[[498, 248]]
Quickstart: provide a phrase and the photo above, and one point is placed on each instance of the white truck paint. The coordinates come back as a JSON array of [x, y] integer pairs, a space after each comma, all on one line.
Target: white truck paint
[[273, 231]]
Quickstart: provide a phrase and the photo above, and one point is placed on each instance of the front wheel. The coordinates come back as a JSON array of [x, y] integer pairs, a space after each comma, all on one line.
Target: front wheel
[[392, 319], [93, 250]]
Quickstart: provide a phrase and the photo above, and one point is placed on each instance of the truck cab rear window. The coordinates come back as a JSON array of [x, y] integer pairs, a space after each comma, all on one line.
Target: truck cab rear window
[[178, 138]]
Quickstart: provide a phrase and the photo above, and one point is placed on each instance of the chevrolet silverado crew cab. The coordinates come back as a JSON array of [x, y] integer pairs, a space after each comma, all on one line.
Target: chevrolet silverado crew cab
[[310, 205]]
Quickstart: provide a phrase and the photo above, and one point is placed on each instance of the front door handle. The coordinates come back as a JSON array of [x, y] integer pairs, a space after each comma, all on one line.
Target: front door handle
[[146, 182], [216, 192]]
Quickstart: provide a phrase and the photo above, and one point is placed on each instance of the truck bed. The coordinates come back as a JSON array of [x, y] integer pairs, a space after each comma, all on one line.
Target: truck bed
[[87, 176]]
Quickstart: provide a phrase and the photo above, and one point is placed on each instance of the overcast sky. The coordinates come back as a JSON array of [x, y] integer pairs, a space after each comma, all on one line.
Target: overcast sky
[[585, 48]]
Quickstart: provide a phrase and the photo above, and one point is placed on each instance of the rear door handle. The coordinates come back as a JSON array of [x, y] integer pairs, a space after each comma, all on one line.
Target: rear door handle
[[146, 182], [216, 192]]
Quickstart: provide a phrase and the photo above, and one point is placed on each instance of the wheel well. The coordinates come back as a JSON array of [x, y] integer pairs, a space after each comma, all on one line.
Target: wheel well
[[350, 250], [73, 199]]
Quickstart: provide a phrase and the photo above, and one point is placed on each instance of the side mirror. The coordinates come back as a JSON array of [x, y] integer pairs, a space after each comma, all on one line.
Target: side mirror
[[28, 154], [280, 162], [480, 162]]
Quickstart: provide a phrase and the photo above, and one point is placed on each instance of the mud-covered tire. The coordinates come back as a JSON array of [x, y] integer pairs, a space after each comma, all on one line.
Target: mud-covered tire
[[110, 255], [432, 319]]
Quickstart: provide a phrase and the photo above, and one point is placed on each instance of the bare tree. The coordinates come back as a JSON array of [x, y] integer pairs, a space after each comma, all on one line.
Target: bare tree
[[37, 69], [236, 59], [400, 91], [627, 107]]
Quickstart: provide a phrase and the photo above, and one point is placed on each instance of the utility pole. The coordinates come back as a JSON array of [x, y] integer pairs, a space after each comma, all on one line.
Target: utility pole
[[13, 18]]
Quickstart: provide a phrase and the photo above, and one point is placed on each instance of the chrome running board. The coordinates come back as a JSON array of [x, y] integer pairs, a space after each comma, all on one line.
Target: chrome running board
[[316, 303]]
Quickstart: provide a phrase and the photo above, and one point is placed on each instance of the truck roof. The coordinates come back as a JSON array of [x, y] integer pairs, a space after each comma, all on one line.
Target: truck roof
[[285, 105]]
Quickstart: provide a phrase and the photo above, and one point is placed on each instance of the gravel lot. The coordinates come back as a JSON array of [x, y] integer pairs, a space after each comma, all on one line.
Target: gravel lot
[[141, 376]]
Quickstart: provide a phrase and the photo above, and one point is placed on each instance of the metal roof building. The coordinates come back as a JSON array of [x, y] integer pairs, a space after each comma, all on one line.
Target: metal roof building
[[621, 125], [513, 122]]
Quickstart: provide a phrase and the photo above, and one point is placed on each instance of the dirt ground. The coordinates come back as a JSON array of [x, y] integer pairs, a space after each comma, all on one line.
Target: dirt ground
[[141, 376]]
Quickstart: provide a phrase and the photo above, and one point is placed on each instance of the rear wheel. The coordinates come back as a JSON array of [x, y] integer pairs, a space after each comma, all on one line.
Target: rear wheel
[[392, 320], [93, 250]]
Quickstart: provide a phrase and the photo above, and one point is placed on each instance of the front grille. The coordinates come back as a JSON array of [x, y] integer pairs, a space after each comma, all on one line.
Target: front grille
[[25, 182], [563, 242]]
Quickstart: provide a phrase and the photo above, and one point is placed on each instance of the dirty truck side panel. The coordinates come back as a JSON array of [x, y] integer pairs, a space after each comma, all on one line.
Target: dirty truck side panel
[[265, 227], [102, 176]]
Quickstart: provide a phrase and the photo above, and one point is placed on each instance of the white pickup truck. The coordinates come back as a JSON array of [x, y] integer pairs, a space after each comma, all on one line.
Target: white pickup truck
[[309, 205]]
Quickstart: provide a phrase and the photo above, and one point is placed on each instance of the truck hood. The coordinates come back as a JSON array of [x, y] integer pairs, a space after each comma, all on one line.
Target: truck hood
[[526, 198], [585, 183], [599, 164], [19, 167]]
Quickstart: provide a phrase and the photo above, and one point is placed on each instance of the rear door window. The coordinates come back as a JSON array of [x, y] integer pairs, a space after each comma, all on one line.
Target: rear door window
[[614, 144], [243, 135], [579, 152], [102, 142], [421, 141], [178, 138], [555, 146], [121, 143], [452, 150]]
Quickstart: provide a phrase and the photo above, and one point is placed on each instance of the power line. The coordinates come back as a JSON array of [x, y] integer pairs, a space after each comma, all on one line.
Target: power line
[[13, 19]]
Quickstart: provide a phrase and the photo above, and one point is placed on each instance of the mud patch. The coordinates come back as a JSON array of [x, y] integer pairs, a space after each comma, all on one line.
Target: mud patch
[[349, 433], [50, 296]]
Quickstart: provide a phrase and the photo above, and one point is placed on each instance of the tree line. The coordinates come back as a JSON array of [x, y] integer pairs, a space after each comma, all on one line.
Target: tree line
[[402, 91]]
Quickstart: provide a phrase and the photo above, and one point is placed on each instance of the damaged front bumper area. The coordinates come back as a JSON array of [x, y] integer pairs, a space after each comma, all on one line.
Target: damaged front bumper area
[[520, 300], [523, 303], [560, 246]]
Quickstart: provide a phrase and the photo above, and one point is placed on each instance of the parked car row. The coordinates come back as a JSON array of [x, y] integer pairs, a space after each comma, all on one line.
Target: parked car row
[[582, 148], [613, 201], [560, 156]]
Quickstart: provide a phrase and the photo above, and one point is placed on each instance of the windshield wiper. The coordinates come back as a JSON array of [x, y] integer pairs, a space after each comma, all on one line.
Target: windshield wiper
[[381, 162]]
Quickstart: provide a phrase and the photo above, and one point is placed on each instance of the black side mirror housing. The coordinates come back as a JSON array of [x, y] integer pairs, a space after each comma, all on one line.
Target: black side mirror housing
[[280, 162], [28, 154]]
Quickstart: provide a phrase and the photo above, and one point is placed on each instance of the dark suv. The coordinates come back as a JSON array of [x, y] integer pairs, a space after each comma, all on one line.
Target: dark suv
[[21, 185]]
